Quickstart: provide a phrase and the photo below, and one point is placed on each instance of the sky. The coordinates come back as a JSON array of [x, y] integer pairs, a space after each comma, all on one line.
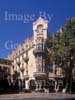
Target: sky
[[14, 32]]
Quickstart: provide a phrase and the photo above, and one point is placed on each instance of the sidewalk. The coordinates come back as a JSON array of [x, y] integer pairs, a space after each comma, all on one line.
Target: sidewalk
[[36, 95]]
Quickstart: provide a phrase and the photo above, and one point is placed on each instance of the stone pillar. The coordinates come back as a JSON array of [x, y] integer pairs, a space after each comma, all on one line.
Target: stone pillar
[[27, 84], [19, 84], [40, 86], [22, 83], [56, 86], [11, 79], [36, 85]]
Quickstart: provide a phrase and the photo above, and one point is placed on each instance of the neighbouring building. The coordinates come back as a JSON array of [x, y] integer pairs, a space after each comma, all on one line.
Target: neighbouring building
[[29, 69], [5, 74]]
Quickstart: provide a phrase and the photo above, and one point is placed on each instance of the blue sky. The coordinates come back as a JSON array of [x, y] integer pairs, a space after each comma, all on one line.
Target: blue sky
[[17, 31]]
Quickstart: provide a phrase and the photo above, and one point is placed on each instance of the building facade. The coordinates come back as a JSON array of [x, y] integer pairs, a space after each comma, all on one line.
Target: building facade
[[5, 67], [28, 60]]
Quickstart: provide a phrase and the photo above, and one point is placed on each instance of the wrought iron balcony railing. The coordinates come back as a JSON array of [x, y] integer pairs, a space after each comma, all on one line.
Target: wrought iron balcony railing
[[38, 50], [40, 75], [26, 59]]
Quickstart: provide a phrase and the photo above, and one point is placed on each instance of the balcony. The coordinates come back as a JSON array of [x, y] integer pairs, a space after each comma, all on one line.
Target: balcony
[[38, 51], [40, 75], [26, 59], [18, 63], [52, 75], [22, 69]]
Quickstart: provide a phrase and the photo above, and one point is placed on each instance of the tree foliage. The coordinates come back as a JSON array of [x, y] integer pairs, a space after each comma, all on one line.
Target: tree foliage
[[60, 43], [61, 47]]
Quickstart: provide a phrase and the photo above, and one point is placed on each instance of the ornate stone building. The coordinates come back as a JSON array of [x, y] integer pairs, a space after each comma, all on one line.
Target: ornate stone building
[[28, 60]]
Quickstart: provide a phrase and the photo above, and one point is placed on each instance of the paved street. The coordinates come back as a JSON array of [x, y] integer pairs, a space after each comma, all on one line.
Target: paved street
[[37, 96]]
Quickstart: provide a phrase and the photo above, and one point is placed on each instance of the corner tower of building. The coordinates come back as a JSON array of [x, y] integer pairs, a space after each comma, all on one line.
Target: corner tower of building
[[40, 29]]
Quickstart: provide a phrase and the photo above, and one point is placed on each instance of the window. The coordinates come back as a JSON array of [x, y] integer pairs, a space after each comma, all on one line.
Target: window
[[39, 58], [40, 28], [39, 68]]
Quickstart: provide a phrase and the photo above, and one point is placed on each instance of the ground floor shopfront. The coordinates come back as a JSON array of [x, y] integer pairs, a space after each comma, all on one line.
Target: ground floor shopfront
[[34, 85], [39, 84]]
